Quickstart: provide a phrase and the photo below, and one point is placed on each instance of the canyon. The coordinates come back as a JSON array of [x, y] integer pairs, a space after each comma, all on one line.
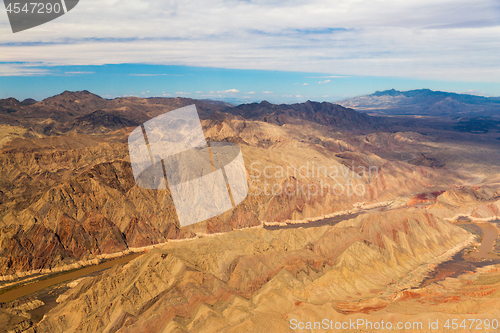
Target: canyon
[[306, 243]]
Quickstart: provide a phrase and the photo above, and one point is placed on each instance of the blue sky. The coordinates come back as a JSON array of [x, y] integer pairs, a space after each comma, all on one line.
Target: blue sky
[[250, 50], [233, 85]]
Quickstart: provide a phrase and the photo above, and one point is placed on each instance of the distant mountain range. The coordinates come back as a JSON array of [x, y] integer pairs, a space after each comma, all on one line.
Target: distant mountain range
[[86, 112], [425, 102]]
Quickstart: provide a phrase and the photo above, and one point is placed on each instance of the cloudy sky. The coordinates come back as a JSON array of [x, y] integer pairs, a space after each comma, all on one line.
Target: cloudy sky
[[321, 49]]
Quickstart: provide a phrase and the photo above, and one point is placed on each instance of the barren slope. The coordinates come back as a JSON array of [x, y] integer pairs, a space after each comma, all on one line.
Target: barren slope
[[257, 278]]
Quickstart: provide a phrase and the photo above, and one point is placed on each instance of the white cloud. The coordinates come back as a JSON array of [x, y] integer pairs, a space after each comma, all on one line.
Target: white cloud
[[251, 92], [328, 77], [21, 70], [305, 84], [381, 37], [149, 74], [267, 92], [181, 93], [79, 72], [326, 81], [228, 91]]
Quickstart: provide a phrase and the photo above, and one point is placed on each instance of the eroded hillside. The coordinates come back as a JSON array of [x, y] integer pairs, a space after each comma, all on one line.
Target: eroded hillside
[[72, 196], [257, 278]]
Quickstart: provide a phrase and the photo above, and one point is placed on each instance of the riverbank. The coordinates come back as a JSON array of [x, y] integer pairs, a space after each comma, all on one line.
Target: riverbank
[[20, 278], [29, 288], [21, 287]]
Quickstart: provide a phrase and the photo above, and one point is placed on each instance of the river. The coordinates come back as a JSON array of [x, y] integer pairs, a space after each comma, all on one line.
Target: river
[[459, 264], [466, 261], [30, 288], [490, 234]]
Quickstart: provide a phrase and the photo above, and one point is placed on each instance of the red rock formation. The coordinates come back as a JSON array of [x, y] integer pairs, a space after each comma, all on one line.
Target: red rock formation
[[73, 237], [138, 234], [34, 248], [105, 237]]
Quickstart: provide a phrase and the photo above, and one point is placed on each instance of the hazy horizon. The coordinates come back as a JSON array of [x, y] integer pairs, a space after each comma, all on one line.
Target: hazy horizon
[[229, 85]]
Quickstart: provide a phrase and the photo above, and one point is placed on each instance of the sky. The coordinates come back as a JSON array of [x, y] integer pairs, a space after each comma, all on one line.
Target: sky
[[251, 50]]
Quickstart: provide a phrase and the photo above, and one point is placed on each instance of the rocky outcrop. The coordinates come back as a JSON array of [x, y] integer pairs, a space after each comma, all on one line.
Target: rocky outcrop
[[73, 237], [39, 248], [15, 316], [105, 237], [33, 248], [139, 234]]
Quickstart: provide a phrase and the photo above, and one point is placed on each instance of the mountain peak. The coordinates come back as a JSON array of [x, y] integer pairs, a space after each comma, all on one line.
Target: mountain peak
[[11, 101], [28, 101], [77, 94], [72, 99], [391, 92]]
